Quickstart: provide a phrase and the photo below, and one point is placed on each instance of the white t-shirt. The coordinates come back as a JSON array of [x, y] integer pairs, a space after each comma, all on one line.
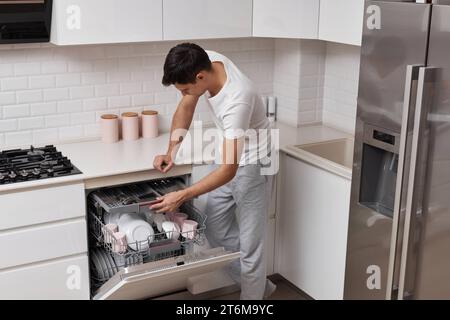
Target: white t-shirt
[[238, 107]]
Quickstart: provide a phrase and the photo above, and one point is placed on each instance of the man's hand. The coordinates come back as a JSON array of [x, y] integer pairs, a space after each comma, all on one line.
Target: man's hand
[[163, 163], [169, 202]]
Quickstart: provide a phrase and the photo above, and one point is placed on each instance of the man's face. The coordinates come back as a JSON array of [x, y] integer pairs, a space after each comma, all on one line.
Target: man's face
[[197, 88]]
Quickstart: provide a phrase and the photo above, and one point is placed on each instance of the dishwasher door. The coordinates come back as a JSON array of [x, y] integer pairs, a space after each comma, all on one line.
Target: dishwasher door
[[164, 265], [162, 277]]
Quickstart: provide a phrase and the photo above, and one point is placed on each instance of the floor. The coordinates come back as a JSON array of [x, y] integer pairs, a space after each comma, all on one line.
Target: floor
[[285, 291]]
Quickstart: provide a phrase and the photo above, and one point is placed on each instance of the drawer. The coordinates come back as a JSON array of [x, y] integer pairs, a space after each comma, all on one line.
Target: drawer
[[42, 205], [46, 242], [66, 279]]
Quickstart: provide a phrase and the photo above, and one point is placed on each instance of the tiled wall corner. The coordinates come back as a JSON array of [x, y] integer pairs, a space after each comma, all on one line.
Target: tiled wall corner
[[298, 80], [341, 86]]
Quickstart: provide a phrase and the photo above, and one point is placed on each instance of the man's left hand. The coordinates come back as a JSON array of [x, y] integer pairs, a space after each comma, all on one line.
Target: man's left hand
[[169, 202]]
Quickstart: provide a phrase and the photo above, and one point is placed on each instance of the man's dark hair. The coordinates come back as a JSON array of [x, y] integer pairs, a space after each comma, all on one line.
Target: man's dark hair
[[183, 63]]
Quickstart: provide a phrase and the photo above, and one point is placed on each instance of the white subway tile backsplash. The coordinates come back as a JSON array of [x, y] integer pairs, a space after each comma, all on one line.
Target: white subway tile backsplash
[[59, 120], [51, 94], [31, 123], [133, 87], [118, 76], [107, 90], [38, 109], [119, 102], [68, 79], [82, 118], [19, 138], [44, 135], [6, 70], [8, 125], [70, 133], [7, 98], [81, 92], [80, 66], [142, 99], [70, 106], [12, 84], [41, 82], [29, 96], [16, 111], [95, 104], [165, 97], [27, 69], [93, 78], [54, 67], [92, 130], [56, 94]]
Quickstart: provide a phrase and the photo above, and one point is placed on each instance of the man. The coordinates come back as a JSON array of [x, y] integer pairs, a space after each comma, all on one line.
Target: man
[[238, 192]]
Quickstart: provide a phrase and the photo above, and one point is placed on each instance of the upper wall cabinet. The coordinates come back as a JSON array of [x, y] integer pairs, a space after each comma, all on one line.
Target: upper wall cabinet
[[286, 19], [203, 19], [106, 21], [341, 23]]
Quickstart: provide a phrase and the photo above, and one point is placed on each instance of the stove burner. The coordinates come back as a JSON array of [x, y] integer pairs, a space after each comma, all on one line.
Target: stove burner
[[19, 165]]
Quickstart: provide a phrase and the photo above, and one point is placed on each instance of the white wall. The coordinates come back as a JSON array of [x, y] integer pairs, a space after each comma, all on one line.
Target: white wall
[[298, 80], [52, 94], [341, 86]]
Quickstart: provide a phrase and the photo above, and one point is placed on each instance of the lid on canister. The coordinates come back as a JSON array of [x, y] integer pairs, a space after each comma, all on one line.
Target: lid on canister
[[109, 116], [149, 112], [129, 114]]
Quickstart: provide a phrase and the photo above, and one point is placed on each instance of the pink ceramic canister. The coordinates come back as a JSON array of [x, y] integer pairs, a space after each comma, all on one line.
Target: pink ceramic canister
[[119, 242], [149, 124], [109, 124], [189, 229], [130, 126], [179, 218]]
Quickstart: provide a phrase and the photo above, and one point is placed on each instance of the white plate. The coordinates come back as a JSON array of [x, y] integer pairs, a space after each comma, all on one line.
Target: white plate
[[136, 229]]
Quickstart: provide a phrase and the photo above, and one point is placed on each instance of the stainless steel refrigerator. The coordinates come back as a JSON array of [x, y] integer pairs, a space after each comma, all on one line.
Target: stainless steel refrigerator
[[399, 225]]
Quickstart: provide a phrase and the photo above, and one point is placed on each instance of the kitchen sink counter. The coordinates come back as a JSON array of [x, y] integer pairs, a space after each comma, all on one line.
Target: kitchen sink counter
[[96, 159]]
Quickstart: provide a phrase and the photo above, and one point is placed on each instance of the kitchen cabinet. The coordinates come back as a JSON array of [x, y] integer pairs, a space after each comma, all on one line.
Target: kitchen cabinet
[[106, 21], [44, 243], [311, 233], [204, 19], [341, 22], [286, 19]]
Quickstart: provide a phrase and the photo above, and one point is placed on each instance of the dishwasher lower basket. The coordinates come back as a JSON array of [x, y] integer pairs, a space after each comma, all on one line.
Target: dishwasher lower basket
[[105, 259]]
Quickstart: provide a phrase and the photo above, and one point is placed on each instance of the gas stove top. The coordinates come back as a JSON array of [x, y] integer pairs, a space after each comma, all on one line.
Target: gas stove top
[[20, 165]]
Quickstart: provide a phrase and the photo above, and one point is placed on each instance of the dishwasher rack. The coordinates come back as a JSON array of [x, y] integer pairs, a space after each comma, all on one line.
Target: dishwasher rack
[[134, 198]]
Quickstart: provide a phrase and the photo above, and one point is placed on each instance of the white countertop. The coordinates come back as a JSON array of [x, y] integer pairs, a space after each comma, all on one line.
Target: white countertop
[[96, 159]]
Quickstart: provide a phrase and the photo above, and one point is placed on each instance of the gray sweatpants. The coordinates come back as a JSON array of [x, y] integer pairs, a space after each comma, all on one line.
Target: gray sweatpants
[[237, 220]]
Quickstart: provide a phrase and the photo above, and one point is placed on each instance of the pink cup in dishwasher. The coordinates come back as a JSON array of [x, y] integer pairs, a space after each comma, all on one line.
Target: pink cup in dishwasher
[[119, 243], [179, 218], [108, 231], [189, 229]]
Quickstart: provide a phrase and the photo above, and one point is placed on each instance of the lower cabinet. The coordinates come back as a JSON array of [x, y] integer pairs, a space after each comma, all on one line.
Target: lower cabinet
[[312, 228], [62, 279]]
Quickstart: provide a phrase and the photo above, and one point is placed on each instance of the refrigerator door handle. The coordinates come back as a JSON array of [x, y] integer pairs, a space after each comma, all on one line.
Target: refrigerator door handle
[[413, 198], [412, 75]]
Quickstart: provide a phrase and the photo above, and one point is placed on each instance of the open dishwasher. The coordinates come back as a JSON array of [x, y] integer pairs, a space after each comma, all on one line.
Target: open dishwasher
[[157, 265]]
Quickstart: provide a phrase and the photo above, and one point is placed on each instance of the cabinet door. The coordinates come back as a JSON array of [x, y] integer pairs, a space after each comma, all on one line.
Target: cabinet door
[[106, 21], [312, 228], [341, 23], [286, 19], [202, 19], [61, 279]]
